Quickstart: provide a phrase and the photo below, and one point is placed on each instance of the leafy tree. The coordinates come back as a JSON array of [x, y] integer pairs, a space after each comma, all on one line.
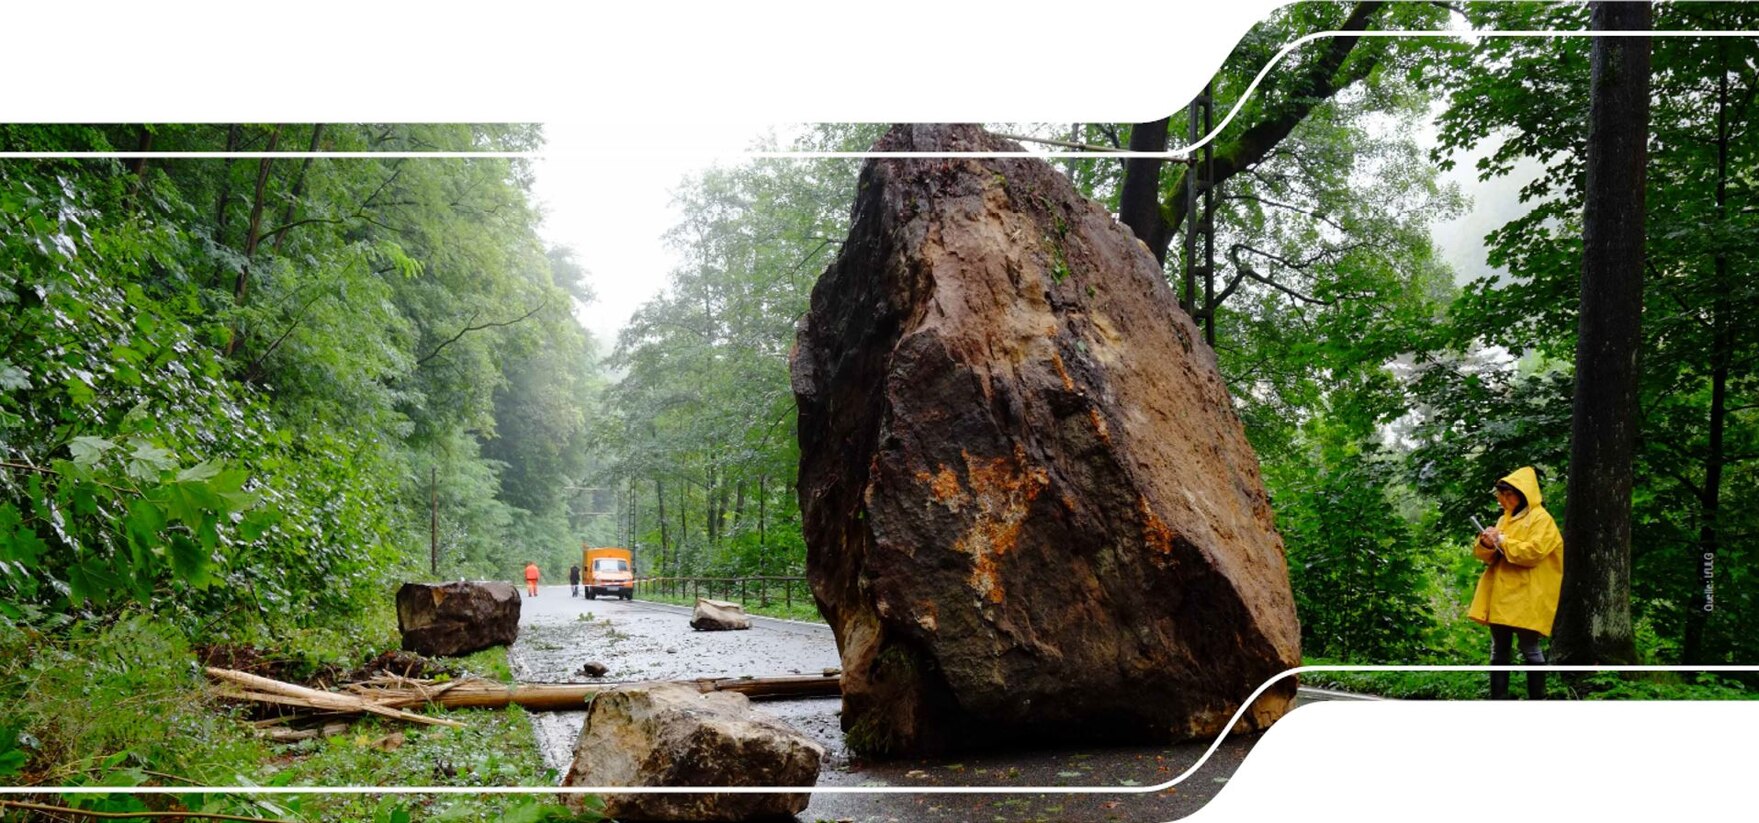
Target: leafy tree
[[1693, 477], [701, 424], [1360, 575], [230, 386]]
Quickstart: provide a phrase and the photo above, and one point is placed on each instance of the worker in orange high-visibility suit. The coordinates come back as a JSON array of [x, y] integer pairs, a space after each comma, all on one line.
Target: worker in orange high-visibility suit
[[531, 579]]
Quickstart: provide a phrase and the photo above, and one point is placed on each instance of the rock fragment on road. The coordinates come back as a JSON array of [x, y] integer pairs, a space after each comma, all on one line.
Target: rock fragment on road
[[453, 619], [672, 735], [718, 615]]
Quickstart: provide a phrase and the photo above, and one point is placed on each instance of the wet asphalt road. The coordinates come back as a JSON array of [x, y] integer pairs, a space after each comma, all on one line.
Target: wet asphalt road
[[649, 641]]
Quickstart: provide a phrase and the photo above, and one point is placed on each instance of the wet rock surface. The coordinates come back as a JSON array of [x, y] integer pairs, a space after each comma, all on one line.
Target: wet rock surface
[[1031, 512], [718, 616], [672, 735], [451, 619]]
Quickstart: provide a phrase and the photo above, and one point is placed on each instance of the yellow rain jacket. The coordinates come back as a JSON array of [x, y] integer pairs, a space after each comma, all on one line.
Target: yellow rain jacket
[[1520, 582]]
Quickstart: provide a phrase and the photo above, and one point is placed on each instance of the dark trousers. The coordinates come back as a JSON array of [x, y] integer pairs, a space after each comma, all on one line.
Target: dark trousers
[[1501, 637]]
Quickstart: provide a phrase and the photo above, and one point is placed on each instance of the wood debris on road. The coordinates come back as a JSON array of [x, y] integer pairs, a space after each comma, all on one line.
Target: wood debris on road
[[392, 696]]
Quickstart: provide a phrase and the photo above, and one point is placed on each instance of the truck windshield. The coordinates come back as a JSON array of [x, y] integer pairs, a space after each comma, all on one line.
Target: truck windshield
[[607, 564]]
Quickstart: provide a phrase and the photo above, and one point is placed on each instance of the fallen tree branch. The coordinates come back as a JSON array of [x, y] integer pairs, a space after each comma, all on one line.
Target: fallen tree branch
[[390, 695], [266, 690], [68, 810], [488, 694]]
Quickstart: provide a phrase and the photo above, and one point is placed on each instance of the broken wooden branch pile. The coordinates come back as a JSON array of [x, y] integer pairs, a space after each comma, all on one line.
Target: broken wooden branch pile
[[392, 696]]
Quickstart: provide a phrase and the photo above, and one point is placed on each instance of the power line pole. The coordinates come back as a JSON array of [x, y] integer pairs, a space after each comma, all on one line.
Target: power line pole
[[434, 521]]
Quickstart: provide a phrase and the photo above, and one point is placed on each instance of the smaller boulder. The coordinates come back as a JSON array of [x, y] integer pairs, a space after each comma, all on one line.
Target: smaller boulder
[[669, 734], [452, 619], [593, 668], [718, 615]]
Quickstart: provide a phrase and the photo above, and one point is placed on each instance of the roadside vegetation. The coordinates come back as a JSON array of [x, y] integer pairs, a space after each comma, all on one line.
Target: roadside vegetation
[[1432, 685], [232, 395], [100, 709]]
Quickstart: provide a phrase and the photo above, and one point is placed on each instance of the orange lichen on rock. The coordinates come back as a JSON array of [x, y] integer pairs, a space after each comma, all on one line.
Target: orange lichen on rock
[[943, 485], [1003, 489], [1057, 360], [1099, 426], [1155, 534]]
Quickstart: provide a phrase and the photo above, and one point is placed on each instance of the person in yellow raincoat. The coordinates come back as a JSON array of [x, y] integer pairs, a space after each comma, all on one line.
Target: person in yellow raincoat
[[1524, 568]]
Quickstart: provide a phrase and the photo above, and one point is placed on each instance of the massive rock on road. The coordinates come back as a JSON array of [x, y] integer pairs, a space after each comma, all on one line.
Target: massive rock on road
[[1030, 509]]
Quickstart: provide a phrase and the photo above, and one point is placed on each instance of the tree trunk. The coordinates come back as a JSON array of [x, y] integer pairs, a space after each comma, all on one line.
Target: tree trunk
[[1594, 610], [317, 132], [720, 508], [738, 504], [665, 544], [396, 699], [253, 232], [1139, 197], [220, 213], [252, 236], [631, 519], [138, 166], [434, 521], [711, 504], [1320, 80]]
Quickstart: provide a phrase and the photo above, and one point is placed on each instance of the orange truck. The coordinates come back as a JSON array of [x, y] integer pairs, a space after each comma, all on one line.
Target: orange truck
[[608, 571]]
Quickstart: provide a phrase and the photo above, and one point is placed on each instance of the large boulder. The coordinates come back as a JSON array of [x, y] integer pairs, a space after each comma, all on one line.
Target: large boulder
[[668, 734], [1029, 507], [451, 619], [718, 615]]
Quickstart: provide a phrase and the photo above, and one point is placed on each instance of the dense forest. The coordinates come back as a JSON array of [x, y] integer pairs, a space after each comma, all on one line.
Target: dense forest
[[242, 399], [1384, 392]]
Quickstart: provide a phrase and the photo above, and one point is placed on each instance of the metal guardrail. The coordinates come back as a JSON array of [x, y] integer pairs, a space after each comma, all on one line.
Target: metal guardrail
[[741, 589]]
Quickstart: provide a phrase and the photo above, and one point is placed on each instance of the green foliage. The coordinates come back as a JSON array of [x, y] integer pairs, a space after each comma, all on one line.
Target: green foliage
[[134, 469], [230, 391], [1664, 686], [96, 709], [218, 400], [1399, 685], [123, 705], [1441, 685], [495, 748], [1695, 492], [1357, 568], [700, 425]]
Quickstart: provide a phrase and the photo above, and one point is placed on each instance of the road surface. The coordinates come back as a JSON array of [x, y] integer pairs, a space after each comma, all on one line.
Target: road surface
[[651, 641]]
